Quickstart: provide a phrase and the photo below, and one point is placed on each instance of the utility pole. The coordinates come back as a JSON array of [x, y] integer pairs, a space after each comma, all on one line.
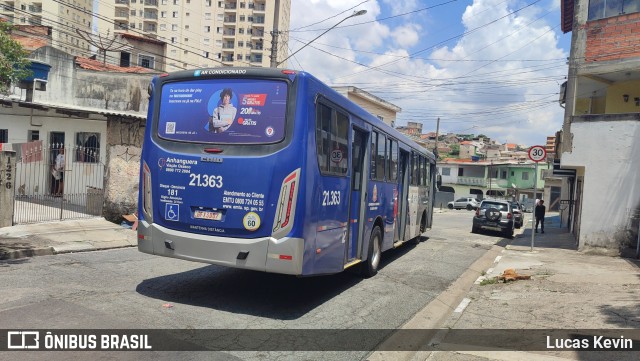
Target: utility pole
[[435, 150], [274, 35]]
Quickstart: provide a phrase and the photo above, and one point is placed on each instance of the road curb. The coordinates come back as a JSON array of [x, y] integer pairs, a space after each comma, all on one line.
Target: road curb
[[435, 314], [63, 248], [26, 253]]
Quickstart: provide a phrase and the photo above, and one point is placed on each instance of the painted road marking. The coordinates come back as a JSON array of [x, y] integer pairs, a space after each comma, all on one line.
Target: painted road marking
[[465, 302]]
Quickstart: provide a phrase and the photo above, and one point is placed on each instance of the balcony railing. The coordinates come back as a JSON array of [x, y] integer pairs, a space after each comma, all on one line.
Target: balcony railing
[[122, 2], [150, 2], [476, 181]]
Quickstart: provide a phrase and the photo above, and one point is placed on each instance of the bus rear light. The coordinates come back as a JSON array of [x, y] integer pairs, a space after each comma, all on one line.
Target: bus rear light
[[147, 204], [286, 257], [509, 215], [286, 206], [288, 72], [213, 150], [478, 212]]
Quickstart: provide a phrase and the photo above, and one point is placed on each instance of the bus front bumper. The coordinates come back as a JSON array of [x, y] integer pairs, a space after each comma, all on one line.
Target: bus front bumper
[[266, 254]]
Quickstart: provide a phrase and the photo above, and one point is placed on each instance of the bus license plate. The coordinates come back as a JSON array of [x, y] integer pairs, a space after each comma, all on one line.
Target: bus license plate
[[214, 216]]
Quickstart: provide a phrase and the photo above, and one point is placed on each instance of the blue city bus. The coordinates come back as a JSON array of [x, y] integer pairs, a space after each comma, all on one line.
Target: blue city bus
[[272, 170]]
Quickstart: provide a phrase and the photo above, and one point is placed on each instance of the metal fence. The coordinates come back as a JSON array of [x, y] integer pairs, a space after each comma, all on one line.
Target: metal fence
[[44, 194]]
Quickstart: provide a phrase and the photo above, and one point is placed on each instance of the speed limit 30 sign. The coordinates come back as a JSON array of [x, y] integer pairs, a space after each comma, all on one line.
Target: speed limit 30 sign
[[537, 153]]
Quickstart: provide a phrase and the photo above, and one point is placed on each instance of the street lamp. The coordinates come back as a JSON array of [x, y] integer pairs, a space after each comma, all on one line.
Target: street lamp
[[357, 13]]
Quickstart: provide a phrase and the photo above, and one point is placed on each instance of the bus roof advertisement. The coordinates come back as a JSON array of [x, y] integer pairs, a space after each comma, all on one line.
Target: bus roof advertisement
[[236, 111]]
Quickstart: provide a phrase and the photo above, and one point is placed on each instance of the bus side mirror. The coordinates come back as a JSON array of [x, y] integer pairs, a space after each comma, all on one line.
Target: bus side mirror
[[438, 181]]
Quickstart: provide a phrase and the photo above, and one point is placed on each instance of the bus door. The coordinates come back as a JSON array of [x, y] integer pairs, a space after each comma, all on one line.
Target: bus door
[[358, 148], [403, 193]]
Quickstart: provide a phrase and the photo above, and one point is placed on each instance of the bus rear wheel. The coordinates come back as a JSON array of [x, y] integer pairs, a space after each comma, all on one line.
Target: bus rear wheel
[[370, 268]]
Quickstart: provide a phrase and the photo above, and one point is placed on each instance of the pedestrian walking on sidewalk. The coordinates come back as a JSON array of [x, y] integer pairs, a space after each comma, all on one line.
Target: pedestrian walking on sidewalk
[[539, 213]]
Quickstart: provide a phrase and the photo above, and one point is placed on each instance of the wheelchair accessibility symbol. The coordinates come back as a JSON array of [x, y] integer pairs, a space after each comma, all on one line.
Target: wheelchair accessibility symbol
[[171, 212]]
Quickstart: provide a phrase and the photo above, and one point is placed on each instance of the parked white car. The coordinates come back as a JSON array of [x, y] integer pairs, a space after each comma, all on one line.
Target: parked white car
[[467, 203]]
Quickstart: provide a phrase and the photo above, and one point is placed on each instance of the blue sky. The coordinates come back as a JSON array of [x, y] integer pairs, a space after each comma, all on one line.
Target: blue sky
[[485, 66]]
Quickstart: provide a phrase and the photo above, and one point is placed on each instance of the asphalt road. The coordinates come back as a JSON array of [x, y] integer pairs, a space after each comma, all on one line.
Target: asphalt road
[[126, 289]]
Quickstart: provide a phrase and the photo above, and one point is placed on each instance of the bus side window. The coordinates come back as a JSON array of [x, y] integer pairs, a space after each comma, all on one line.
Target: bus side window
[[380, 159], [414, 169], [340, 135], [374, 154], [323, 134], [332, 133], [393, 160], [427, 172]]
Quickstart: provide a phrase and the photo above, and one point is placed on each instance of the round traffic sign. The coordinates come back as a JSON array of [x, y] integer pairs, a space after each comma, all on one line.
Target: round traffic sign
[[537, 153]]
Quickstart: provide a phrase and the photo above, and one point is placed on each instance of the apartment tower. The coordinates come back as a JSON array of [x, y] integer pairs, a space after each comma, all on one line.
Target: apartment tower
[[201, 33], [64, 17]]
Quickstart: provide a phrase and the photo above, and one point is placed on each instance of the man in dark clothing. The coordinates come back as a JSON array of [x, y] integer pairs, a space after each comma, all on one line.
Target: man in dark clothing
[[539, 213]]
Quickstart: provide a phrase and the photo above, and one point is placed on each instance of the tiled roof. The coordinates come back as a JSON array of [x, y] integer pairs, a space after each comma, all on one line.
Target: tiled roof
[[29, 43], [90, 64]]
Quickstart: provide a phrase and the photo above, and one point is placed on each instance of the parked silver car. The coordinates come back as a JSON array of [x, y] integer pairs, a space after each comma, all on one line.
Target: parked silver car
[[518, 214], [468, 203]]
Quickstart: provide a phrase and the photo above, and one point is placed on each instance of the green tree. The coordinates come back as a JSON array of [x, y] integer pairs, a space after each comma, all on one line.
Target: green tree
[[455, 149], [13, 59]]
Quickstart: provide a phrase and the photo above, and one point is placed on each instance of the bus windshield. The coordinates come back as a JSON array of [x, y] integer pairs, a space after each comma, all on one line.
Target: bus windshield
[[231, 111]]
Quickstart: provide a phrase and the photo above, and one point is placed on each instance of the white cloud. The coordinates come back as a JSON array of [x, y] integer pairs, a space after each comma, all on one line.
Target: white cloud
[[401, 7], [406, 36], [500, 79]]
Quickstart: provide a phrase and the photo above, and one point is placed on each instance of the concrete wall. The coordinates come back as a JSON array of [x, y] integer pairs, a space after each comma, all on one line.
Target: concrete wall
[[124, 146], [611, 191], [20, 120], [71, 86]]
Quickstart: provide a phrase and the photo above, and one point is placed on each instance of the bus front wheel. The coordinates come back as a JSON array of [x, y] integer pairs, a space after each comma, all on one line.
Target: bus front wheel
[[374, 254]]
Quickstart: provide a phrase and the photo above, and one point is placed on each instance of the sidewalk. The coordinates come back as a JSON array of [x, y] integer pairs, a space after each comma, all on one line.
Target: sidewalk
[[568, 290], [63, 237]]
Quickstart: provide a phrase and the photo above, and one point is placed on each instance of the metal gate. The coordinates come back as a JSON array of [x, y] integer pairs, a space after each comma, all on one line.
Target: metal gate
[[44, 194]]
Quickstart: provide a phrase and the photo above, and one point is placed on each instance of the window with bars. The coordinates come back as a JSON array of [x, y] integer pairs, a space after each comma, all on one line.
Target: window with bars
[[87, 147], [146, 61]]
